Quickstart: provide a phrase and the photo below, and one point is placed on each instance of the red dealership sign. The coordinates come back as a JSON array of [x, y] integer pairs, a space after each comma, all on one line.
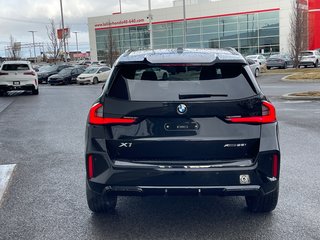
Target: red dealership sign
[[66, 33], [314, 24]]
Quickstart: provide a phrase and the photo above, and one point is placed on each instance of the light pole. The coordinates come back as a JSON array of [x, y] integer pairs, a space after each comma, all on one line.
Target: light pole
[[34, 46], [63, 32], [150, 25], [120, 6], [76, 33], [184, 25]]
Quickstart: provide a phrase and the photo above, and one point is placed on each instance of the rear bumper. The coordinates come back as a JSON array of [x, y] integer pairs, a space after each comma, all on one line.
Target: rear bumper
[[251, 190], [306, 63], [42, 79], [55, 81], [183, 180], [82, 81], [276, 65], [29, 87]]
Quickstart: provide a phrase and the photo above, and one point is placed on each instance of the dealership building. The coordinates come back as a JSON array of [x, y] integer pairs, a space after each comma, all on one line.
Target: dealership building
[[250, 26]]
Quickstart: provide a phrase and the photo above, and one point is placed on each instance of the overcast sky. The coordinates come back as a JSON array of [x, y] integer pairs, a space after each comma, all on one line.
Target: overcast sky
[[17, 17]]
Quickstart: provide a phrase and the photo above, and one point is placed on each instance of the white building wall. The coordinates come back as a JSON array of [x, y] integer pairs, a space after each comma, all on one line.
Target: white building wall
[[195, 11], [285, 15], [92, 39], [177, 3]]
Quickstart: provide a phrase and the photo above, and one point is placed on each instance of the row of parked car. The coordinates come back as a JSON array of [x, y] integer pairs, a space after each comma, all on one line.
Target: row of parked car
[[67, 74], [21, 75], [306, 58]]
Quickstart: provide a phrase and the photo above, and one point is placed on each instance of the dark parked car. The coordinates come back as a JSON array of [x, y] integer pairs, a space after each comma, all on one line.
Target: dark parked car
[[206, 130], [279, 61], [46, 71], [66, 76]]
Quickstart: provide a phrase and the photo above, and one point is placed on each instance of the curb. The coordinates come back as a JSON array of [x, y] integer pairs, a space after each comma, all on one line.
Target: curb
[[290, 97], [299, 80]]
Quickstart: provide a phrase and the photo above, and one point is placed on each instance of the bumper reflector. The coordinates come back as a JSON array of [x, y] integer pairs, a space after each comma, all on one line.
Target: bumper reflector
[[275, 165], [90, 167]]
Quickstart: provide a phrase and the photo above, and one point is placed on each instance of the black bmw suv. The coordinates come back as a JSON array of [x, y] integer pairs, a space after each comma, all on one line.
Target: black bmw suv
[[183, 121]]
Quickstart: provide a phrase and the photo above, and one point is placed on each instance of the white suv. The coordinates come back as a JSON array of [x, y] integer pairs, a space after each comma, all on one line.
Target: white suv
[[18, 75], [259, 59], [309, 58]]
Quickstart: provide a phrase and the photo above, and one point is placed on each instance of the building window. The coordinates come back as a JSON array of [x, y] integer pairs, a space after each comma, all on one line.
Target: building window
[[249, 33]]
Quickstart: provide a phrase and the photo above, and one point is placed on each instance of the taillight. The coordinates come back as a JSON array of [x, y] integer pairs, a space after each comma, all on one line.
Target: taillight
[[96, 117], [268, 115], [3, 73], [90, 167], [30, 73], [275, 165]]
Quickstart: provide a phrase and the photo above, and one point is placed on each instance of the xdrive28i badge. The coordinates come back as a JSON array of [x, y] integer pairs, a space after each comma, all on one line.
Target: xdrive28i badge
[[182, 109]]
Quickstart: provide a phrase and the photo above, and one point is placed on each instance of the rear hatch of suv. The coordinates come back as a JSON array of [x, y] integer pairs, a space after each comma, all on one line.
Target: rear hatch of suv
[[15, 73], [181, 114]]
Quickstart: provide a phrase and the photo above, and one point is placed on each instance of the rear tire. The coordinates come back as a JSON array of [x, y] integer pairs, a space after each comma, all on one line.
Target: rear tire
[[316, 64], [164, 76], [285, 66], [100, 203], [265, 203], [257, 72], [95, 80], [35, 91], [3, 93], [268, 68]]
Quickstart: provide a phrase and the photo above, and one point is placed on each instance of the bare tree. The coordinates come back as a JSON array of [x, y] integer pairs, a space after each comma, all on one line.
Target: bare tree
[[298, 40], [55, 45], [111, 49], [14, 49]]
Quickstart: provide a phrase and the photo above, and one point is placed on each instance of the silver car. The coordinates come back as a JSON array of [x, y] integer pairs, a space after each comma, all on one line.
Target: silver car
[[309, 58], [254, 66], [258, 58]]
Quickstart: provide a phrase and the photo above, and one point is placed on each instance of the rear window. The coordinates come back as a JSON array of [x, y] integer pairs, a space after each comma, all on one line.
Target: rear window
[[15, 67], [141, 82], [306, 54], [91, 70]]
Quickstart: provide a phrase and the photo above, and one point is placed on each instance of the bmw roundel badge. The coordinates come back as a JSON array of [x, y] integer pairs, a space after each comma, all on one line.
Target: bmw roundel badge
[[182, 109]]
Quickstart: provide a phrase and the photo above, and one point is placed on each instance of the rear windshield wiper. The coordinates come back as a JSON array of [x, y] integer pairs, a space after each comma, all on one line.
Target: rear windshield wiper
[[201, 95]]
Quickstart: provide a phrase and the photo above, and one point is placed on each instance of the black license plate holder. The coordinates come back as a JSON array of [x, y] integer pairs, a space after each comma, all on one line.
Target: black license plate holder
[[188, 126]]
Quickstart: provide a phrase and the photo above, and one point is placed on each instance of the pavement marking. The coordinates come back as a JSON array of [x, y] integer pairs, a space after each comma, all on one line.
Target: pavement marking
[[6, 172], [298, 101], [4, 103]]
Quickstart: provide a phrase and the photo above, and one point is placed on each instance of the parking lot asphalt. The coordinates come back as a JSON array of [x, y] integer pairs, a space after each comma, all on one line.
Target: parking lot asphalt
[[4, 103], [44, 136]]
